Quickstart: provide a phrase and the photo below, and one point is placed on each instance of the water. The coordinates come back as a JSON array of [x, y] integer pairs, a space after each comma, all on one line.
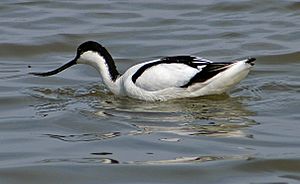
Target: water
[[70, 129]]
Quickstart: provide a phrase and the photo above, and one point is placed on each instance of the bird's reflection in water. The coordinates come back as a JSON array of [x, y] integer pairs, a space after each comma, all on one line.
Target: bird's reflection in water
[[219, 115]]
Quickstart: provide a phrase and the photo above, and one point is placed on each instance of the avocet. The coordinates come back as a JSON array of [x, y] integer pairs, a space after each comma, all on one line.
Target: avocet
[[161, 79]]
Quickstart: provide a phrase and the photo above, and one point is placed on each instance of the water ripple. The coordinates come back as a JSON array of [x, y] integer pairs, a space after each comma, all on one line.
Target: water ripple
[[85, 137]]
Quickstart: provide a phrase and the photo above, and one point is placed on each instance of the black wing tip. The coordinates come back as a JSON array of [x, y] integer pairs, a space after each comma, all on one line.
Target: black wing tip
[[251, 61]]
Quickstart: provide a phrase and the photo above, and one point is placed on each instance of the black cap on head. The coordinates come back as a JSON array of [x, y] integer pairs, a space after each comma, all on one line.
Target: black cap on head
[[84, 47], [89, 46]]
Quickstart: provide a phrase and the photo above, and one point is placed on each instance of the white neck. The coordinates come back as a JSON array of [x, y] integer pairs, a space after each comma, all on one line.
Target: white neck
[[100, 64]]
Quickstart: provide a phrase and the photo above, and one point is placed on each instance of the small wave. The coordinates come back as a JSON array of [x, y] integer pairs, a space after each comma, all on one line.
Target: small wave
[[190, 160], [92, 160], [84, 137]]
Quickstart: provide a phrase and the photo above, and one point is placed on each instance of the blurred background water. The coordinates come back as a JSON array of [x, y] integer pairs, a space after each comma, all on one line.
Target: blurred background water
[[70, 129]]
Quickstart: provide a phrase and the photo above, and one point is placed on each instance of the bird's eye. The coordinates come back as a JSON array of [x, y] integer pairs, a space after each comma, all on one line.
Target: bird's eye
[[79, 51]]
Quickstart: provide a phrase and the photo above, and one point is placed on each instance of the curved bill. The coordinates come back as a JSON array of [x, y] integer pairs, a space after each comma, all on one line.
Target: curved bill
[[53, 72]]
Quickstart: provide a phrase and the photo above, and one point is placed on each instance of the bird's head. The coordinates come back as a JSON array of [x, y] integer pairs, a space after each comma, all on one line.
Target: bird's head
[[89, 52]]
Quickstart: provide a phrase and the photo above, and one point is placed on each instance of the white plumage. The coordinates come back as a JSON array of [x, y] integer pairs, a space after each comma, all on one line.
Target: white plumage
[[165, 76], [161, 79]]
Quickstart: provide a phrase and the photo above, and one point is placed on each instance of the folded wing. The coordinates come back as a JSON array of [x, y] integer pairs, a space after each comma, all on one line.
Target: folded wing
[[176, 71]]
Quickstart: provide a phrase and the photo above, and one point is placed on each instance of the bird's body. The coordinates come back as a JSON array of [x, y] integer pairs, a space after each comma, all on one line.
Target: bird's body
[[162, 79]]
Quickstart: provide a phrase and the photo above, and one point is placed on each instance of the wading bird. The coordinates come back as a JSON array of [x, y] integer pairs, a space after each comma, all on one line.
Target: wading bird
[[161, 79]]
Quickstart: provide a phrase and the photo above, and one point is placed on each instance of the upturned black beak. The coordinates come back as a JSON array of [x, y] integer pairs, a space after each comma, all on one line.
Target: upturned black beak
[[53, 72]]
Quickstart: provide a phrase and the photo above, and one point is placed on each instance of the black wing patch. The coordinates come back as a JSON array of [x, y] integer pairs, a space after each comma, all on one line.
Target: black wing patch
[[211, 70], [187, 60]]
